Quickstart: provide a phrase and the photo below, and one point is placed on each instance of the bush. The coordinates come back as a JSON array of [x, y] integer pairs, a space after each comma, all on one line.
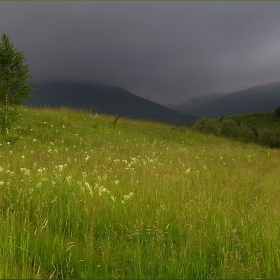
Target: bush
[[207, 126], [245, 134], [277, 112], [229, 128], [200, 124], [270, 138], [238, 122], [211, 127]]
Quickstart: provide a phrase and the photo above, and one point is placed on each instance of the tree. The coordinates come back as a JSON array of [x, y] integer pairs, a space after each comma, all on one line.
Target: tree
[[229, 128], [277, 112], [211, 127], [13, 87], [269, 138], [245, 134], [200, 124]]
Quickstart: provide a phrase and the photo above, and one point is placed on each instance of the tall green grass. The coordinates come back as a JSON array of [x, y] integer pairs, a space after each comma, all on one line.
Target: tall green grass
[[83, 196]]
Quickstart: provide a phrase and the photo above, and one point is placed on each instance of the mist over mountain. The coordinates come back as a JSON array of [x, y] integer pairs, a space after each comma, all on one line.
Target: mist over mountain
[[104, 99], [194, 102], [257, 99]]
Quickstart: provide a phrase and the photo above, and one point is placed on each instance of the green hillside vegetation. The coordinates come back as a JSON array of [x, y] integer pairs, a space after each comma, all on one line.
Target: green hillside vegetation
[[259, 120], [91, 196], [260, 128]]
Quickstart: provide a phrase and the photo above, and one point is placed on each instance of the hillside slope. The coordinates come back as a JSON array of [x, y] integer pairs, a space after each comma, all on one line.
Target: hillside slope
[[82, 198], [267, 120], [104, 99], [257, 99], [260, 128]]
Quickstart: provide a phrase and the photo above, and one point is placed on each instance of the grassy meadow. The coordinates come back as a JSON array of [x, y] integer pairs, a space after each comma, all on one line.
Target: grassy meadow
[[89, 196], [266, 120]]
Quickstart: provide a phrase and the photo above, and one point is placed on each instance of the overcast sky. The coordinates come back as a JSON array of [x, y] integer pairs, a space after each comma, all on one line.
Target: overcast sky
[[163, 51]]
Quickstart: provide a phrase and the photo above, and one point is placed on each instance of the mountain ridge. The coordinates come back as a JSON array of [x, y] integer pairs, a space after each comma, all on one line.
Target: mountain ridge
[[104, 99], [257, 99]]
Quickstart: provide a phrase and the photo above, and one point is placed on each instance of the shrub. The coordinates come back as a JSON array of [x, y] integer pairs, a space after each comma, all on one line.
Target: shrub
[[238, 122], [245, 134], [207, 126], [200, 124], [270, 138], [211, 127], [277, 112], [229, 128]]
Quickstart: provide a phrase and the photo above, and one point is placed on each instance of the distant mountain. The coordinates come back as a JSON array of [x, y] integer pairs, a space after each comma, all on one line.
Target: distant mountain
[[257, 99], [195, 102], [104, 99]]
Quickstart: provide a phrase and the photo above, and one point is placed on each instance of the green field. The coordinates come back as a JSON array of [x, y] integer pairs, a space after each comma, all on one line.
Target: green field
[[89, 196], [266, 120]]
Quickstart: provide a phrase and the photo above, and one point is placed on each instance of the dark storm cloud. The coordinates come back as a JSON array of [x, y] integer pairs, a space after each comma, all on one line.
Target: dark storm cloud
[[163, 51]]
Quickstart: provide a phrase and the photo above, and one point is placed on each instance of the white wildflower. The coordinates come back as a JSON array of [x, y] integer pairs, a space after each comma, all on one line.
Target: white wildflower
[[128, 196], [69, 179], [102, 190], [84, 175], [25, 171], [41, 170], [60, 167]]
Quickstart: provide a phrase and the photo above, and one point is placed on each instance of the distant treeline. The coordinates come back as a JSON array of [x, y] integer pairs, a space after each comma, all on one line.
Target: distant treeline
[[236, 130]]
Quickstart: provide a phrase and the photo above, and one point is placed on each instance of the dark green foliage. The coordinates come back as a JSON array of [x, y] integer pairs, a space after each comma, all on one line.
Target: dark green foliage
[[270, 138], [261, 128], [13, 87], [259, 120], [211, 127], [207, 126], [277, 112], [255, 132], [238, 122], [245, 134], [200, 124], [229, 128]]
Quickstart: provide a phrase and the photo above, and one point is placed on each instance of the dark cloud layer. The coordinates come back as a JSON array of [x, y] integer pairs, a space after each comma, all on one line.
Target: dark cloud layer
[[163, 51]]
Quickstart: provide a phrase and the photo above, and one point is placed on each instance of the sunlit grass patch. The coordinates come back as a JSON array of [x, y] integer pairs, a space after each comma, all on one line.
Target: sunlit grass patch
[[81, 197]]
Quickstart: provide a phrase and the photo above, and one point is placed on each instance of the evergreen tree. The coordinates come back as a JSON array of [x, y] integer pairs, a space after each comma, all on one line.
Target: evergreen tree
[[13, 87]]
